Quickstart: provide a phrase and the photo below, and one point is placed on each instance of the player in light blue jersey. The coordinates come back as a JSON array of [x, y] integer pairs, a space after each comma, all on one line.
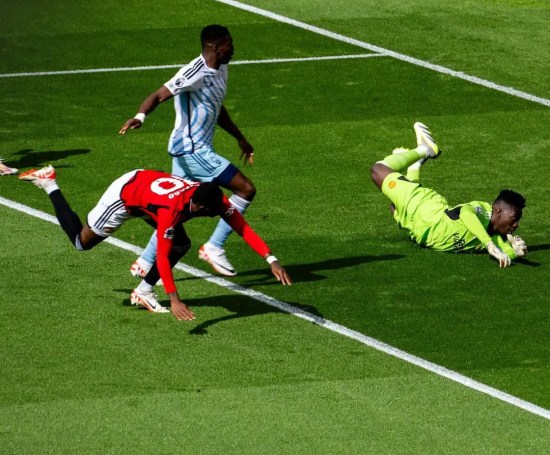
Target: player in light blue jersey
[[198, 90]]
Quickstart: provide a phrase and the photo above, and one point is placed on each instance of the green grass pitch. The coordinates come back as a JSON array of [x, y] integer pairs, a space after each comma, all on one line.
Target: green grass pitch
[[84, 372]]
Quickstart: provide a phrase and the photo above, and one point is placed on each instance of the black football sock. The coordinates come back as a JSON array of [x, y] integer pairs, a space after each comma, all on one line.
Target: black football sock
[[69, 221], [175, 255]]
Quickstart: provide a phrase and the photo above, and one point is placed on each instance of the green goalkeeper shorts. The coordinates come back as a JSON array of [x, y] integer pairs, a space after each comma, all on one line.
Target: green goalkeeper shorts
[[417, 209]]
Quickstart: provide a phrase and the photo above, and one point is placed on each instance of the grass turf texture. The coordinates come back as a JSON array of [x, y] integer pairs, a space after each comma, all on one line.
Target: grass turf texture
[[83, 370], [94, 375]]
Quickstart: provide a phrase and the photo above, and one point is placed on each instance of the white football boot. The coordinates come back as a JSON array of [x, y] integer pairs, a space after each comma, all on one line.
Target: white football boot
[[147, 300], [42, 178], [217, 259], [424, 139], [6, 170]]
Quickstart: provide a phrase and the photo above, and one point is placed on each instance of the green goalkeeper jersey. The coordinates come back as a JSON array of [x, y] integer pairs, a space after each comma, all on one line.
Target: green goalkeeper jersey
[[460, 228]]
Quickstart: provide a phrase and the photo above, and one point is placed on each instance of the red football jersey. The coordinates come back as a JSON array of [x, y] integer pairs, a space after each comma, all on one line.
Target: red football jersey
[[166, 200]]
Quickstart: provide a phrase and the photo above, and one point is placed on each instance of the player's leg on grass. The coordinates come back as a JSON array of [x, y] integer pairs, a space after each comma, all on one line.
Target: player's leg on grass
[[143, 295], [413, 171], [206, 166], [180, 247], [82, 237], [394, 164], [402, 158], [387, 174], [6, 170], [143, 263], [243, 193]]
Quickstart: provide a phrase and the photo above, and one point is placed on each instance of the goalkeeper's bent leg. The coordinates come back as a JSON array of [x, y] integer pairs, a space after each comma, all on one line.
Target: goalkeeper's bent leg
[[413, 172], [400, 162]]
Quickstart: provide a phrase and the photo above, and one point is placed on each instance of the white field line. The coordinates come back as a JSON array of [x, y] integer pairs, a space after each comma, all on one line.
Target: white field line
[[389, 53], [325, 323], [161, 67]]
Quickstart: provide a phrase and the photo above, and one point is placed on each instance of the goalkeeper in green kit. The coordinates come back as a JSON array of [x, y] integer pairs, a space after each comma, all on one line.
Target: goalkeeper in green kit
[[432, 222]]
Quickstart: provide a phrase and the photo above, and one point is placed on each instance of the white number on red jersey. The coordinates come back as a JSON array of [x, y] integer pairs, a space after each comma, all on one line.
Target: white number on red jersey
[[171, 186]]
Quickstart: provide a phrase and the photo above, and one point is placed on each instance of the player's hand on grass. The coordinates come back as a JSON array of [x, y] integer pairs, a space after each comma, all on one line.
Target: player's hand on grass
[[247, 152], [132, 124], [518, 244], [280, 273], [502, 258], [180, 310]]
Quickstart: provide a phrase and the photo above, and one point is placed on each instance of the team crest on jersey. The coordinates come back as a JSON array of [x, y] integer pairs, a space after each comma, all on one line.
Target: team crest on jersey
[[482, 211], [179, 82], [169, 233], [230, 210]]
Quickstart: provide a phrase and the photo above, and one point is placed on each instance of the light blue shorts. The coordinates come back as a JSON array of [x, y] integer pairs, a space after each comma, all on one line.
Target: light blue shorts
[[204, 166]]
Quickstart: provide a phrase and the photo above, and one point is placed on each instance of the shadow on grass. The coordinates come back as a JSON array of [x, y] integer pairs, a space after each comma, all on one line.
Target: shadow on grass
[[309, 272], [240, 306], [37, 158], [543, 247], [532, 249], [301, 273]]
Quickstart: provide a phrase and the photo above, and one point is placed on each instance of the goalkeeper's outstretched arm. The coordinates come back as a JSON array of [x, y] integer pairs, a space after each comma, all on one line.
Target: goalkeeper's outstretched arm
[[495, 249]]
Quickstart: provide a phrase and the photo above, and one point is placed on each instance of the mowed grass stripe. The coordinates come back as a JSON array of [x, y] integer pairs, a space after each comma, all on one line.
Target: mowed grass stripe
[[280, 418], [387, 52], [327, 324]]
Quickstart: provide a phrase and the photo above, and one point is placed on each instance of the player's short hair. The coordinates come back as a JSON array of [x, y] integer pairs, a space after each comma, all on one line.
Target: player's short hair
[[212, 33], [511, 198], [209, 195]]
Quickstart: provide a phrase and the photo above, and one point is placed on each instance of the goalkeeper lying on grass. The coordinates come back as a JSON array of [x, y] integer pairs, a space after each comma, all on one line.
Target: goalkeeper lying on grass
[[432, 223]]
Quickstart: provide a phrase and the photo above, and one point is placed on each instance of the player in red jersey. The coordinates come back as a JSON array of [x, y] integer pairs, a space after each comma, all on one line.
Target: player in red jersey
[[164, 201]]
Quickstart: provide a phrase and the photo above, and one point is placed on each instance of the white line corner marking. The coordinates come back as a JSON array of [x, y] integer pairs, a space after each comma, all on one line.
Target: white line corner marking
[[179, 65], [332, 326], [389, 53]]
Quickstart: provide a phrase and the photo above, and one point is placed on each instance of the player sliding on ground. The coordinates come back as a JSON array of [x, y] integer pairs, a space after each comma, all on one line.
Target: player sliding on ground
[[432, 223], [165, 202]]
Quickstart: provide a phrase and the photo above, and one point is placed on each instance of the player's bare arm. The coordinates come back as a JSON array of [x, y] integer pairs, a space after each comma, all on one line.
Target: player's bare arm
[[179, 309], [472, 223], [149, 105], [254, 241], [280, 273], [225, 122]]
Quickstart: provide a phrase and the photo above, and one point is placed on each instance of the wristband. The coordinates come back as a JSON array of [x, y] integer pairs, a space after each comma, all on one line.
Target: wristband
[[271, 259], [141, 117]]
